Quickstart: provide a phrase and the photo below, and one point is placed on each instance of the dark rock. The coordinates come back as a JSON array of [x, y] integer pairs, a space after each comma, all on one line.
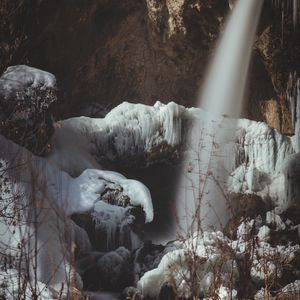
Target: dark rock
[[291, 272], [115, 270], [115, 197], [106, 271], [147, 258], [87, 268], [167, 292], [292, 213]]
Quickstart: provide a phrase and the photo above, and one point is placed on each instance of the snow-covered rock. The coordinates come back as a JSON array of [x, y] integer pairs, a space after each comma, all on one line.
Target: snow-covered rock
[[130, 133], [25, 96], [251, 257], [192, 266], [85, 190]]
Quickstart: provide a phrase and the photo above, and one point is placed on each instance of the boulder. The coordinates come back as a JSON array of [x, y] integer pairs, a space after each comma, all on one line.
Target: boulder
[[26, 94]]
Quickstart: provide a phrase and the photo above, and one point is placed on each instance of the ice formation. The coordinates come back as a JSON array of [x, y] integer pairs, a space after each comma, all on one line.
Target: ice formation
[[144, 134], [256, 144], [115, 221], [70, 180], [130, 133], [47, 197]]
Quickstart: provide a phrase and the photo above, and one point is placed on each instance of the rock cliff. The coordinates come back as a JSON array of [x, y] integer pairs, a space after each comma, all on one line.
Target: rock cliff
[[142, 51]]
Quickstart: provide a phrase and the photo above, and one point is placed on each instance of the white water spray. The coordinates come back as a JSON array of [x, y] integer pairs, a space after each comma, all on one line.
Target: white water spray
[[202, 200]]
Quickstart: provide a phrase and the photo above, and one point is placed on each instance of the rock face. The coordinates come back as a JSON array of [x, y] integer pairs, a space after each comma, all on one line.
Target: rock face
[[146, 51], [128, 50], [278, 46]]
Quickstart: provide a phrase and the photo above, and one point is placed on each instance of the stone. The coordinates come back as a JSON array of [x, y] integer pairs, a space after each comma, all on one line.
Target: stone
[[26, 95]]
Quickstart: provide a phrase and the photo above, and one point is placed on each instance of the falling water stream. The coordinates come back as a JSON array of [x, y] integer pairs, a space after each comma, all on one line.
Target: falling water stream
[[202, 200]]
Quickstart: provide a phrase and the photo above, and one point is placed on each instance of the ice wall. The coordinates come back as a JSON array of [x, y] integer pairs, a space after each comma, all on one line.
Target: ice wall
[[258, 152]]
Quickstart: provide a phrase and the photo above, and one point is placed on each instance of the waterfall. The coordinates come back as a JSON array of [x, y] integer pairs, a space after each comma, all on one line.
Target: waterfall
[[202, 201], [224, 86]]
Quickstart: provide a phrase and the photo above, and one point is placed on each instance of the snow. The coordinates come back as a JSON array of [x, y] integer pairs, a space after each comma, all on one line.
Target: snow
[[293, 288], [245, 230], [264, 147], [21, 76], [290, 291], [263, 294], [86, 189], [149, 125], [260, 158], [254, 158], [268, 261]]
